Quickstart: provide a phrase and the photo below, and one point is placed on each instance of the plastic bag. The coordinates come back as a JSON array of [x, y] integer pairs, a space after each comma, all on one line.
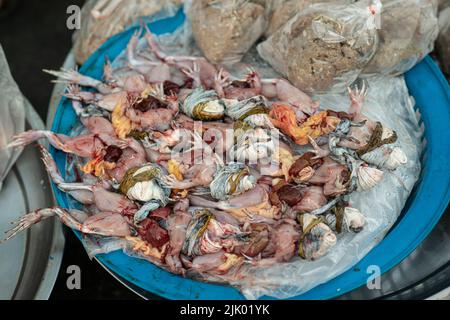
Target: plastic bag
[[103, 19], [407, 34], [443, 42], [325, 47], [284, 10], [443, 4], [225, 30], [12, 117]]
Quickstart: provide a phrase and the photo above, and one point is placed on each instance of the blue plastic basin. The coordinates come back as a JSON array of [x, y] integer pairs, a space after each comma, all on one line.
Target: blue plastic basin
[[425, 206]]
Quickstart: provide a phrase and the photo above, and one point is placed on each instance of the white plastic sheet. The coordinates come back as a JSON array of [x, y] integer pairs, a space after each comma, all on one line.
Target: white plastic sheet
[[12, 117]]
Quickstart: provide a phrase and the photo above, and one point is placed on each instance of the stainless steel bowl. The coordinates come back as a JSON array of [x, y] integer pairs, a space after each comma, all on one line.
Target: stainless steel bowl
[[29, 263]]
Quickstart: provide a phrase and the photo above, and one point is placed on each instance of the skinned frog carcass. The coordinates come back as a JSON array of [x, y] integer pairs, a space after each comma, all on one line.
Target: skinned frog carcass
[[301, 198], [366, 139], [249, 204], [147, 108], [151, 111], [327, 172]]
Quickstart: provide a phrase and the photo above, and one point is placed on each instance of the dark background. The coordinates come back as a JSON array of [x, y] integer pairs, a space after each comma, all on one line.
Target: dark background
[[34, 36]]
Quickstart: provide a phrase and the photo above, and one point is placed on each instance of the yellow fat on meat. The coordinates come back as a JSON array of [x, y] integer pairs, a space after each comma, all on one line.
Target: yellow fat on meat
[[121, 124]]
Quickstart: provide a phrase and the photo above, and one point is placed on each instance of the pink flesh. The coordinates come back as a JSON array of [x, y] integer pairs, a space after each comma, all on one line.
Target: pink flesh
[[127, 161], [159, 74], [197, 176], [112, 202], [292, 95], [207, 71], [250, 198], [155, 119], [208, 261], [241, 93], [313, 198], [361, 134], [82, 196], [83, 146], [330, 175], [111, 101], [107, 224], [177, 224], [285, 238], [136, 83], [98, 125]]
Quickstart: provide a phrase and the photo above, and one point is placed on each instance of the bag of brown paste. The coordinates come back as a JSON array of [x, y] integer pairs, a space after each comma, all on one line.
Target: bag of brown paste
[[225, 30], [407, 34], [325, 47], [284, 10]]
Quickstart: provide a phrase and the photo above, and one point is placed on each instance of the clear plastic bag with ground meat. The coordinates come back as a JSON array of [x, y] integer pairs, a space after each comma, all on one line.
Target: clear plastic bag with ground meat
[[225, 30], [12, 117], [102, 19], [326, 46], [407, 34], [283, 10]]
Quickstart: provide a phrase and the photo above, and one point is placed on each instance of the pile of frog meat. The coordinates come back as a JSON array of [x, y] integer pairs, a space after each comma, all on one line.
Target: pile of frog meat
[[213, 176]]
